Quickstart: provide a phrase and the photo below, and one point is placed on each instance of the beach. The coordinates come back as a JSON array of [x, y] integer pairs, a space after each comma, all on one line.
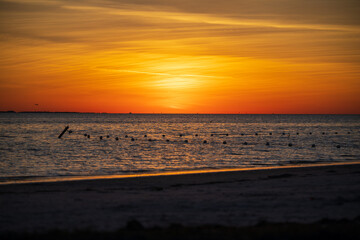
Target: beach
[[234, 198]]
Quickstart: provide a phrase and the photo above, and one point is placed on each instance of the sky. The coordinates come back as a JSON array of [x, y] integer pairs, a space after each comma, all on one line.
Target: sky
[[180, 56]]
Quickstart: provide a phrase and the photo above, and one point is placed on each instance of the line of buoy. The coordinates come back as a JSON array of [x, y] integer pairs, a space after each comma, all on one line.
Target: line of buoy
[[187, 141], [181, 135]]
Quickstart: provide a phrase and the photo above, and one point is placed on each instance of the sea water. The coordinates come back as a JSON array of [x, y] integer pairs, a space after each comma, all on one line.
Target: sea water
[[153, 143]]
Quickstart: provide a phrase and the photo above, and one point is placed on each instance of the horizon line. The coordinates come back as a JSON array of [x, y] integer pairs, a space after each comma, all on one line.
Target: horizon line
[[158, 113]]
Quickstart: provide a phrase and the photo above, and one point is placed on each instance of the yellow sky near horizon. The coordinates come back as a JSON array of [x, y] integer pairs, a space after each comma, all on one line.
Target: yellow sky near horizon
[[180, 56]]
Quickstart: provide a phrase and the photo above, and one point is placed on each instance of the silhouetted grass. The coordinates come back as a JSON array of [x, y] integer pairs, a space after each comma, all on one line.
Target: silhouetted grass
[[325, 229]]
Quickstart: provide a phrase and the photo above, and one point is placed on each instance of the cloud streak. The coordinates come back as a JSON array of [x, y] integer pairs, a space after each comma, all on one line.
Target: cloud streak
[[209, 18], [163, 74]]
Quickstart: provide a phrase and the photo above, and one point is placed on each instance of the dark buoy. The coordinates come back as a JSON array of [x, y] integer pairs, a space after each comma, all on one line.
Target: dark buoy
[[297, 133], [283, 133], [196, 135], [116, 138], [338, 146], [267, 144], [163, 135], [245, 143], [70, 131], [310, 133], [167, 140], [186, 141], [290, 144], [126, 136], [227, 134], [101, 137], [348, 132], [242, 134], [313, 145], [85, 134], [256, 134], [145, 135], [224, 142], [336, 133], [205, 141], [180, 135], [88, 136], [132, 139], [212, 135], [107, 136], [270, 133], [149, 140]]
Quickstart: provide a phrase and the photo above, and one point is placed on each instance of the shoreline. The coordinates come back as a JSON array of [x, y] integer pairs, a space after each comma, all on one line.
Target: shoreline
[[236, 198], [35, 179]]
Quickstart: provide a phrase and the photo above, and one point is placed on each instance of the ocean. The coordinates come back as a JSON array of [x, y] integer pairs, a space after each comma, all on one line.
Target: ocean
[[157, 143]]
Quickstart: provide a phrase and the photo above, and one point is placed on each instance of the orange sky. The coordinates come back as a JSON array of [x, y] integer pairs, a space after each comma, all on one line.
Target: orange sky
[[180, 56]]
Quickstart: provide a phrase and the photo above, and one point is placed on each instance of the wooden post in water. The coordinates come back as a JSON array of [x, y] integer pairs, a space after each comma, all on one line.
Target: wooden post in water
[[65, 129]]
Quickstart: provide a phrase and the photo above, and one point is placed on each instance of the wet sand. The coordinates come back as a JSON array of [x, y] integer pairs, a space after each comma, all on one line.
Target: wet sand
[[237, 198]]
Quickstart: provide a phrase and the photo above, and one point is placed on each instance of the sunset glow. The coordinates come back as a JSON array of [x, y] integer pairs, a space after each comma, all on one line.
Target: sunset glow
[[180, 56]]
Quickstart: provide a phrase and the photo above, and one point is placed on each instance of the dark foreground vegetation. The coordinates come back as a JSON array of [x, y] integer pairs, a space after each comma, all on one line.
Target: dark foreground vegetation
[[325, 229]]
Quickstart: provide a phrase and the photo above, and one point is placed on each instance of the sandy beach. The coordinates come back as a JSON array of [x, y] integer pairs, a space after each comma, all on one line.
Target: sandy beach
[[237, 198]]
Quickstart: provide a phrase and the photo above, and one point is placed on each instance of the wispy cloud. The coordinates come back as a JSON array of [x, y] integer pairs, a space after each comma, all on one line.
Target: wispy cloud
[[163, 74], [208, 18]]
